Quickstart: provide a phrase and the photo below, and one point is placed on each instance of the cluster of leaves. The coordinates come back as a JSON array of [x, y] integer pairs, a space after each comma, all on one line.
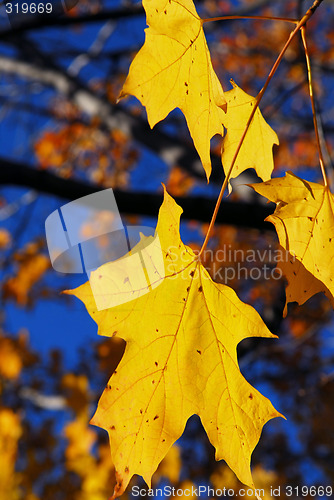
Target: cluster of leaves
[[231, 54], [76, 147], [181, 338]]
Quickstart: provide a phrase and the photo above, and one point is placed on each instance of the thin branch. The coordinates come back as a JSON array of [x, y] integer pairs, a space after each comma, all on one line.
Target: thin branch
[[300, 24], [259, 18], [315, 121], [170, 149], [248, 215], [94, 50]]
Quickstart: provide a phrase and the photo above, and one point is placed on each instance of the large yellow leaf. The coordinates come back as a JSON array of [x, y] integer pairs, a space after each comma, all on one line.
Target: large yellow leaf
[[256, 150], [180, 360], [304, 221], [173, 69]]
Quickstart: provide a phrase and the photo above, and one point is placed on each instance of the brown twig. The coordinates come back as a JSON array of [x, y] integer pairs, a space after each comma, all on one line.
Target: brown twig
[[260, 18], [273, 70], [314, 113]]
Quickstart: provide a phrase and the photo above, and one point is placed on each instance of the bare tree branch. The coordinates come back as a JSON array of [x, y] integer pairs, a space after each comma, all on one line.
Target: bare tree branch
[[170, 149], [198, 208]]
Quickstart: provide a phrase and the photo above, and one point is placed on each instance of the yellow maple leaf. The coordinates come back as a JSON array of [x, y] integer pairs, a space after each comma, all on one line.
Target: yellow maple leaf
[[180, 359], [256, 150], [173, 69], [304, 221]]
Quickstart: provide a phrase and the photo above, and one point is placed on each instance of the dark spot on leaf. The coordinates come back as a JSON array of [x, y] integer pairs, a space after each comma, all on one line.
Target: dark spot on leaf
[[199, 352], [156, 363], [147, 421], [165, 11], [200, 289], [156, 330], [294, 272], [153, 381], [186, 84], [192, 273], [126, 469], [187, 91], [250, 396], [188, 288], [163, 440], [157, 416], [141, 411], [112, 428], [310, 218]]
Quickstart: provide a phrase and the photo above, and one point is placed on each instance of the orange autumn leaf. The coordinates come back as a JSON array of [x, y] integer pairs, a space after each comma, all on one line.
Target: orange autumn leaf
[[30, 272], [179, 182], [10, 359], [10, 433]]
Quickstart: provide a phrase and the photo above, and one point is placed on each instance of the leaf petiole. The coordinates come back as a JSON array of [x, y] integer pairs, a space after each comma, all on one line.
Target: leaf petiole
[[273, 70], [260, 18], [314, 113]]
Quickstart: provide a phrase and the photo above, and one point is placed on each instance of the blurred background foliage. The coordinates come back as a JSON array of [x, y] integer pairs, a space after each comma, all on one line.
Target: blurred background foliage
[[63, 136]]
